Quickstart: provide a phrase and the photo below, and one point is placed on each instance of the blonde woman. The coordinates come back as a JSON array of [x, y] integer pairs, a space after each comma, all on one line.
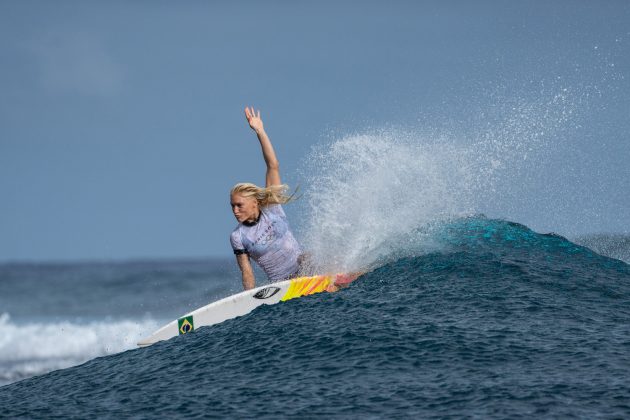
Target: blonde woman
[[263, 232]]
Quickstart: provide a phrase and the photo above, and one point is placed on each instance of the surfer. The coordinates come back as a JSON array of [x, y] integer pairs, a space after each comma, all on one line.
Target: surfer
[[263, 232]]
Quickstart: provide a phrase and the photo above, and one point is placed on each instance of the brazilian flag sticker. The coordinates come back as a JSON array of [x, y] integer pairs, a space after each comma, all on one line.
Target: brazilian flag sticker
[[185, 325]]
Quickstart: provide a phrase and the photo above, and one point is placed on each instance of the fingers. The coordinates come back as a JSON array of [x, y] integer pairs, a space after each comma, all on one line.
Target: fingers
[[251, 113]]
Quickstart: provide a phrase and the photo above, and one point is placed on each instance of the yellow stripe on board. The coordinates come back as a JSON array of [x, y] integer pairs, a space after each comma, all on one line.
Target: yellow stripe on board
[[307, 286]]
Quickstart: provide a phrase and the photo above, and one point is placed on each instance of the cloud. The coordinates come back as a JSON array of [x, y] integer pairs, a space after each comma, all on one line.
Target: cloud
[[76, 63]]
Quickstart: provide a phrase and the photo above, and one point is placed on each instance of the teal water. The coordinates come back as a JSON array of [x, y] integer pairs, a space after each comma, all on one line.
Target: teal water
[[501, 322]]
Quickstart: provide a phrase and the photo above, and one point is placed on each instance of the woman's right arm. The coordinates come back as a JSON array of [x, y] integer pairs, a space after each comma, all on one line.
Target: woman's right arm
[[249, 282], [272, 176]]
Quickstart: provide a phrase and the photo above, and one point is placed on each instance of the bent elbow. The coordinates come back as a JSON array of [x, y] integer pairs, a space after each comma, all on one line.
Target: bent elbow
[[274, 165]]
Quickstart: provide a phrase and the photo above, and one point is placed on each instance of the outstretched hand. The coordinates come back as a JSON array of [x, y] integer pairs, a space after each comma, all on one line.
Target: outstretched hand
[[254, 120], [272, 176]]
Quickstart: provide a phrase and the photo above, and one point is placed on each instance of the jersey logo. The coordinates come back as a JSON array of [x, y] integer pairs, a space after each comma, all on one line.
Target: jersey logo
[[266, 293], [185, 325]]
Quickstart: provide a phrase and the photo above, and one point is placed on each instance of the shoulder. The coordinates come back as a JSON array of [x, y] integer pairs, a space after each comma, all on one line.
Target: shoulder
[[236, 231], [275, 209], [235, 236]]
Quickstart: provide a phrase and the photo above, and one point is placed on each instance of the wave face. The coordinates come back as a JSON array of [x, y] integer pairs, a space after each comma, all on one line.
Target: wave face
[[498, 321]]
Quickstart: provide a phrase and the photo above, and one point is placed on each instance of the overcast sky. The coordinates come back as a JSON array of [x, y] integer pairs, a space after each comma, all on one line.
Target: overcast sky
[[121, 125]]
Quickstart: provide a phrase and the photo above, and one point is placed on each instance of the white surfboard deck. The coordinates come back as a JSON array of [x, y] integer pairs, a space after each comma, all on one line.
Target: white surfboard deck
[[245, 302]]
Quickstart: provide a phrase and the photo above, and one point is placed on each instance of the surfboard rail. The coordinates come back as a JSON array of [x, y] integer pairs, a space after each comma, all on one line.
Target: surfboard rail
[[244, 302]]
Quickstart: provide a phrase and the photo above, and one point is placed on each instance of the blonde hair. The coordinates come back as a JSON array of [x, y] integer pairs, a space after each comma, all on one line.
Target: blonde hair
[[274, 194]]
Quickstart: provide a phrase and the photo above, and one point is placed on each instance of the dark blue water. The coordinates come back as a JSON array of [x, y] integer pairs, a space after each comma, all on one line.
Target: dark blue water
[[502, 322]]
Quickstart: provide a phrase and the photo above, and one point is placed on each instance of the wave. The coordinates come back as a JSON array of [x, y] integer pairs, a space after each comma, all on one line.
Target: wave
[[34, 348], [498, 322], [28, 349]]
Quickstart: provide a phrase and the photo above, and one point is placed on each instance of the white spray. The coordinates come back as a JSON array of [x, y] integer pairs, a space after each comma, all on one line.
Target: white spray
[[373, 197]]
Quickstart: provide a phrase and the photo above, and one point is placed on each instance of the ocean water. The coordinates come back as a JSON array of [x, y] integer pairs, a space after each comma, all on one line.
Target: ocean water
[[458, 314], [496, 321], [58, 315]]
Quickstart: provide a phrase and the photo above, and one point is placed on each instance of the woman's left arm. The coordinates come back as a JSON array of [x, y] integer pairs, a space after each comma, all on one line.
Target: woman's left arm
[[273, 167]]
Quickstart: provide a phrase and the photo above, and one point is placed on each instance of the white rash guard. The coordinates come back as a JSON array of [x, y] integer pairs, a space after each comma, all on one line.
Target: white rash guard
[[270, 243]]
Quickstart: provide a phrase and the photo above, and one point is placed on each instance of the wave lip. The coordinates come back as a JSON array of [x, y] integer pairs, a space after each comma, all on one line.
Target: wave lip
[[611, 245]]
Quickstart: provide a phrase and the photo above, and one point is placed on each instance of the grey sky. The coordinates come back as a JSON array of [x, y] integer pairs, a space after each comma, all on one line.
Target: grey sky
[[121, 125]]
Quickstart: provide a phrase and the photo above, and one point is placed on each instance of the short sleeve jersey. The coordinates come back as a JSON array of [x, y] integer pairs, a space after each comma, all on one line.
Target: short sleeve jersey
[[269, 243]]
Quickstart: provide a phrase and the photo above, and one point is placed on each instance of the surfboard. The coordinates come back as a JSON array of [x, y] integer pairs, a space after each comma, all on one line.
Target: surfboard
[[245, 302]]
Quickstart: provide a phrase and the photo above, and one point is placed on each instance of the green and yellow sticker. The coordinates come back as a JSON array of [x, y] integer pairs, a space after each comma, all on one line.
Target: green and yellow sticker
[[185, 325]]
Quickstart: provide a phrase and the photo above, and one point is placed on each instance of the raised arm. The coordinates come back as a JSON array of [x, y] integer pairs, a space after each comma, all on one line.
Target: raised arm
[[273, 167]]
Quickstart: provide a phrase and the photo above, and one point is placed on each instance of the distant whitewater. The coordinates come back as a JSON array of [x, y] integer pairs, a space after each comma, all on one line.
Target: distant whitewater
[[54, 316], [30, 348]]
